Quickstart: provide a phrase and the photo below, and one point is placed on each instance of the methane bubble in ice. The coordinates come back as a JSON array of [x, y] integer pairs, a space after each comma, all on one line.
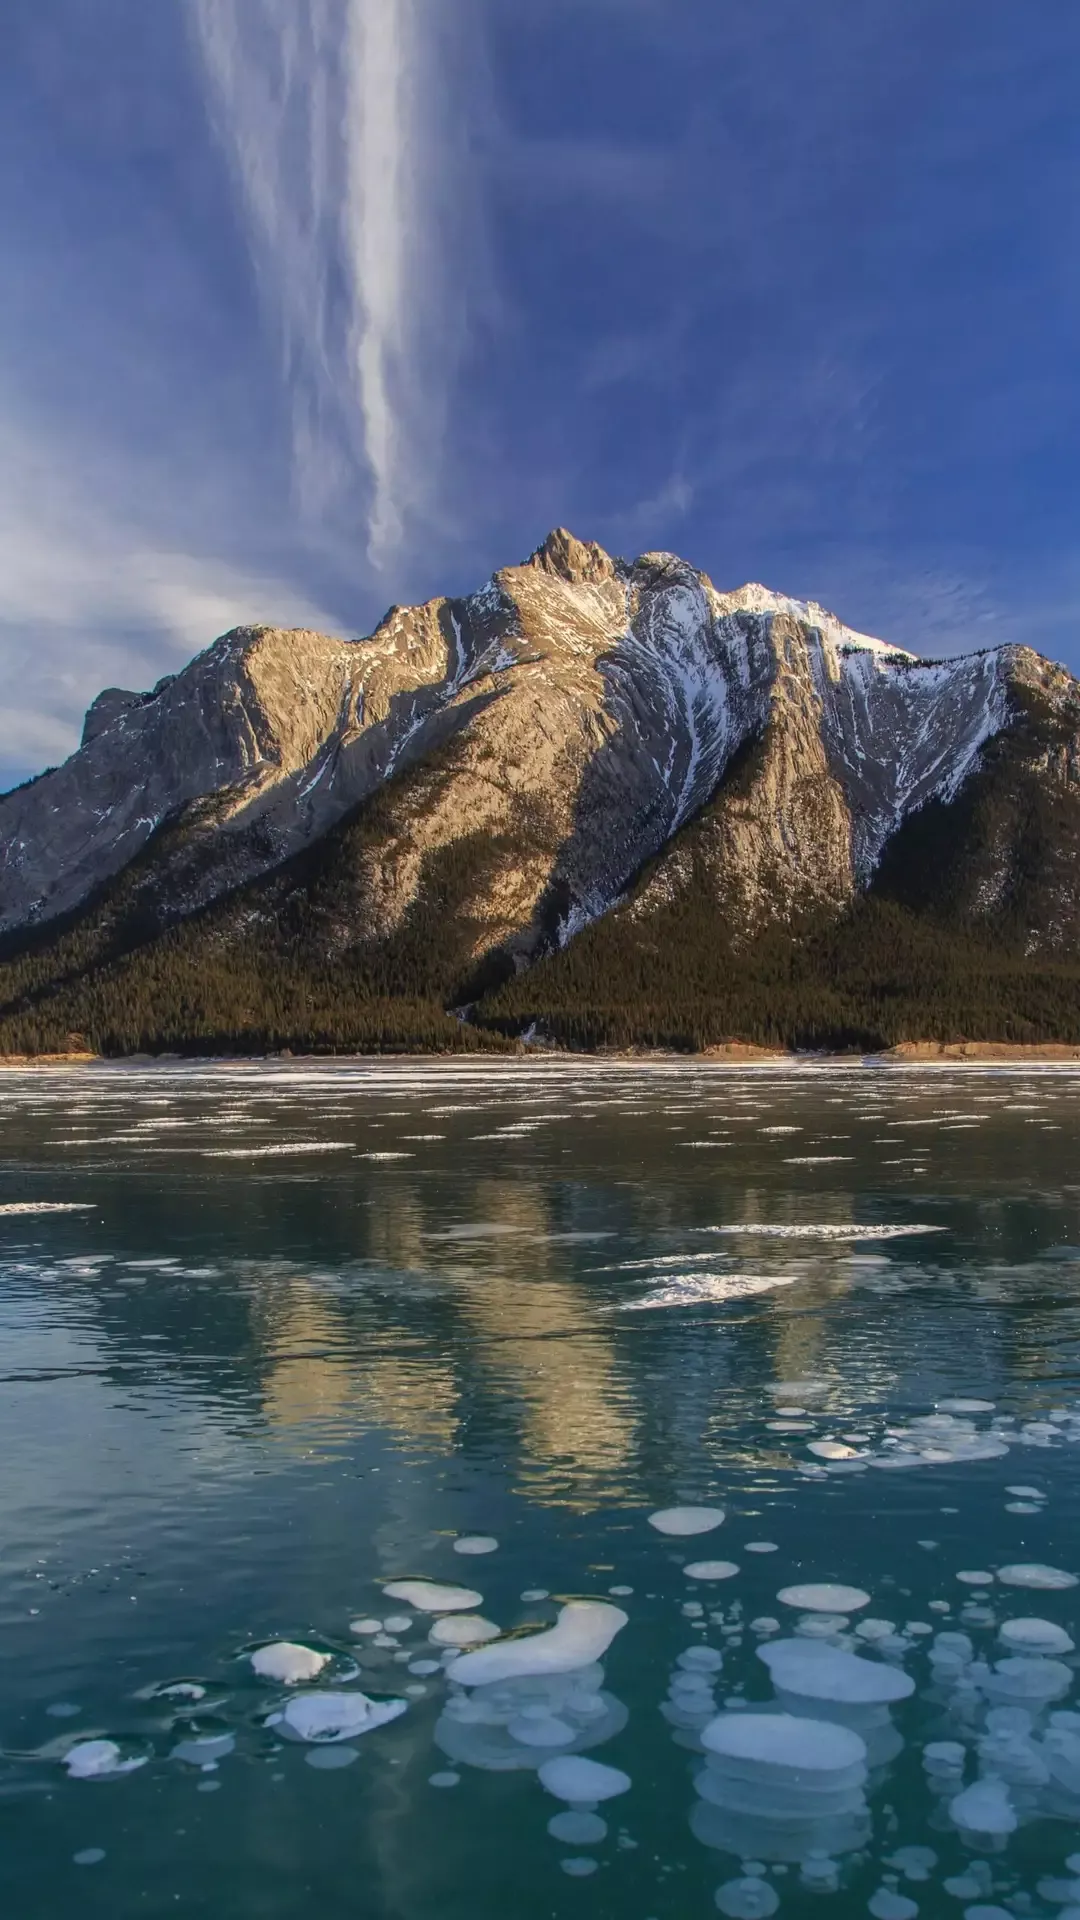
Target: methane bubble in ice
[[808, 1670], [748, 1899], [824, 1598], [288, 1663], [577, 1829], [429, 1597], [463, 1630], [887, 1905], [984, 1809], [360, 1627], [1035, 1636], [1033, 1574], [583, 1632], [683, 1521], [710, 1570], [582, 1782], [475, 1543], [780, 1786], [1025, 1679], [338, 1716], [495, 1726], [98, 1760]]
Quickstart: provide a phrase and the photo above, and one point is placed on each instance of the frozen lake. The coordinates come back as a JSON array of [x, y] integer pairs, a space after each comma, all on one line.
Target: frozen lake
[[755, 1391]]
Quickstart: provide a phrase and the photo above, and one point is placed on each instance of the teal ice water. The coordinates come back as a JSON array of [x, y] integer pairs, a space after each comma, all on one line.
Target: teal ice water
[[278, 1337]]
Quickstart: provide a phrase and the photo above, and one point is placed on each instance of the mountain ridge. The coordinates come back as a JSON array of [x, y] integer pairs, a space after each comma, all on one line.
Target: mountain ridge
[[436, 814]]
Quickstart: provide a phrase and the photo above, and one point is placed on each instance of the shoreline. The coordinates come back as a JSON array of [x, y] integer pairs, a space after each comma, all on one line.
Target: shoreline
[[730, 1053]]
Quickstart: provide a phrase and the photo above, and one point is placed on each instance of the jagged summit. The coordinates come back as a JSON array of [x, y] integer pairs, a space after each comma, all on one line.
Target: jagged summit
[[532, 755]]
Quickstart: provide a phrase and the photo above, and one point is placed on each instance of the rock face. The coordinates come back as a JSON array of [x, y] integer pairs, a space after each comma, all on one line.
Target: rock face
[[519, 762]]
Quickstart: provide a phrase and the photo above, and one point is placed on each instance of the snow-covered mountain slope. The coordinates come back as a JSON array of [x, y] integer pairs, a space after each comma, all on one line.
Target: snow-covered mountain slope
[[540, 741]]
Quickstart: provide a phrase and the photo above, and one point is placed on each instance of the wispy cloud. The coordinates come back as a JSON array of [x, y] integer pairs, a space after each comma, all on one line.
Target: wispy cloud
[[94, 595], [335, 113]]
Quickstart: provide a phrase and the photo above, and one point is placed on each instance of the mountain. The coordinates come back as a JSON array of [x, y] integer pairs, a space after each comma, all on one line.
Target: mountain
[[596, 801]]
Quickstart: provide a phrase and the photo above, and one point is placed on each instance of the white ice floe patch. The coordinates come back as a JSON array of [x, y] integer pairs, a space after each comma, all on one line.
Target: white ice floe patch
[[824, 1597], [429, 1596], [582, 1633], [476, 1543], [582, 1782], [815, 1159], [99, 1760], [684, 1521], [708, 1289], [277, 1151], [337, 1716], [287, 1663], [710, 1570], [47, 1206], [1034, 1574], [822, 1231]]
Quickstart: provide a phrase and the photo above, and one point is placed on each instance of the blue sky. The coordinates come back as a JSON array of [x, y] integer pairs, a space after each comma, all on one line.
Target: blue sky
[[315, 305]]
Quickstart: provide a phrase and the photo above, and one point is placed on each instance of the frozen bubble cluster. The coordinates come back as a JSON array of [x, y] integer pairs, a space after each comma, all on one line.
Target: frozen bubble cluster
[[780, 1786], [959, 1431], [521, 1703]]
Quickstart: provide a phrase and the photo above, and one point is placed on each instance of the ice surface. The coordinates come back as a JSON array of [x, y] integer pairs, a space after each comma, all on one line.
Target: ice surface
[[288, 1663], [683, 1521], [583, 1632], [429, 1597], [338, 1716], [582, 1782], [824, 1598]]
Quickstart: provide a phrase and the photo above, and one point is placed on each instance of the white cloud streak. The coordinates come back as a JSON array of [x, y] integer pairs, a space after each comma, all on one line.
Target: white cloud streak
[[93, 596], [334, 125]]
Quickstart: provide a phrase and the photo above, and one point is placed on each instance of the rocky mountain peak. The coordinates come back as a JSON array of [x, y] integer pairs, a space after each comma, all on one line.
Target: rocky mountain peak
[[581, 562]]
